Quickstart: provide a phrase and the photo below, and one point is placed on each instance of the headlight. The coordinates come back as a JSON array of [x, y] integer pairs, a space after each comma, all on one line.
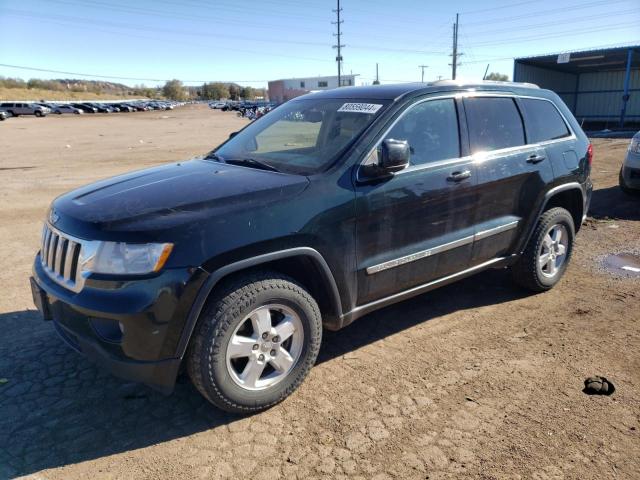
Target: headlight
[[129, 258], [635, 145]]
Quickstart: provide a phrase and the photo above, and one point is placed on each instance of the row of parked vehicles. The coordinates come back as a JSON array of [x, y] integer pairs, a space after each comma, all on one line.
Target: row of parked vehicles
[[42, 109], [237, 106], [250, 110]]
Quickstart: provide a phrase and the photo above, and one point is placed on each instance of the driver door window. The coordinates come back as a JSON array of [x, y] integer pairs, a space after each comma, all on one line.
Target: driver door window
[[431, 128]]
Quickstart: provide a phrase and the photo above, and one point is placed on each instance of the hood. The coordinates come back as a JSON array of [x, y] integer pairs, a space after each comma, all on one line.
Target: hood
[[166, 196]]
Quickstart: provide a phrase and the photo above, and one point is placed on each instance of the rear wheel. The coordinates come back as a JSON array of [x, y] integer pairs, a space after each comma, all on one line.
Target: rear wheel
[[548, 252], [625, 188], [255, 342]]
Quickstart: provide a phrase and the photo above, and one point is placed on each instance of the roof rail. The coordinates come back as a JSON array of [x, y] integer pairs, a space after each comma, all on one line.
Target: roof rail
[[485, 82]]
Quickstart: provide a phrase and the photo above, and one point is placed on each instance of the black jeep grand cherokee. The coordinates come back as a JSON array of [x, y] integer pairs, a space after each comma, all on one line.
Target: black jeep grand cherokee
[[331, 206]]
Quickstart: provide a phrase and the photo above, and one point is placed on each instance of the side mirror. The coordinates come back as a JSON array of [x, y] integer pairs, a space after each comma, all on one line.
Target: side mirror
[[394, 155], [232, 134]]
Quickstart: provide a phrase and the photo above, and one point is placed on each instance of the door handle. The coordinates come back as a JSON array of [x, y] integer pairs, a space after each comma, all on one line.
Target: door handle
[[534, 158], [459, 176]]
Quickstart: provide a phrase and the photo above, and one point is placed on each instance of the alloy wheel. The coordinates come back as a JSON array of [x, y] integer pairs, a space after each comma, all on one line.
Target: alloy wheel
[[553, 250], [265, 347]]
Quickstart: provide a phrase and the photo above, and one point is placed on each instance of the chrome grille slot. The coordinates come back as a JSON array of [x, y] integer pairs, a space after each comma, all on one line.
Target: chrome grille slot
[[60, 256]]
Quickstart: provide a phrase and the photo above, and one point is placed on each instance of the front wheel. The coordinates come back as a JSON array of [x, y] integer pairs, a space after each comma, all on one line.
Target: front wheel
[[255, 342], [548, 252], [38, 113]]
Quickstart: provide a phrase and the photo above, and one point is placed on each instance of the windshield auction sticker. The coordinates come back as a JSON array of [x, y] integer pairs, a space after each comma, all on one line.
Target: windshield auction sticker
[[360, 107]]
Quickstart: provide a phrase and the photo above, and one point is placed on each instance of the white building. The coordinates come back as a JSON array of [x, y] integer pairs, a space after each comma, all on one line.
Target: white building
[[285, 89]]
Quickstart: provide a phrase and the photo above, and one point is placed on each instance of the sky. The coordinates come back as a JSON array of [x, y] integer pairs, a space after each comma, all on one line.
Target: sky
[[252, 42]]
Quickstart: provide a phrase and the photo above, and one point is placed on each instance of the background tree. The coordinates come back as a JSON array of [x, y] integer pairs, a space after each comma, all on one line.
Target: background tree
[[234, 92], [500, 77], [214, 91], [248, 93], [142, 90], [174, 90]]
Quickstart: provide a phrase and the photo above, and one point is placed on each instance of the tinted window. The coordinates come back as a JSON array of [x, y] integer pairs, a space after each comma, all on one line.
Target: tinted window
[[431, 128], [543, 120], [494, 123]]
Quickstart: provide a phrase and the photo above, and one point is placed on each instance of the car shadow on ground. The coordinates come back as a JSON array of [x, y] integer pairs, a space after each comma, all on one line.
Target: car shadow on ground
[[56, 408], [612, 203]]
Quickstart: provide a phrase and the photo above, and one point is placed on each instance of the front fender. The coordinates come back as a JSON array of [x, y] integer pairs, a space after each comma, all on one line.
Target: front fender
[[217, 275]]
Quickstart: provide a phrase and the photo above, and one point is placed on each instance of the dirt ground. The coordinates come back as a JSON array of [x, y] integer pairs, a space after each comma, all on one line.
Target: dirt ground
[[475, 380]]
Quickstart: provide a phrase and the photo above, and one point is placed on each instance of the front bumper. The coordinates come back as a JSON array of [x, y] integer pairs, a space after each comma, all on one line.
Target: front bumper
[[131, 327]]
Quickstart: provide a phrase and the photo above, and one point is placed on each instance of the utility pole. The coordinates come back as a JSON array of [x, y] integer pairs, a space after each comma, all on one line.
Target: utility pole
[[422, 67], [454, 61], [377, 80], [339, 46]]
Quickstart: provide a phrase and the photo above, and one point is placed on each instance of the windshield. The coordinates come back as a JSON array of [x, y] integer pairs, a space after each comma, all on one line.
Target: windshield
[[302, 136]]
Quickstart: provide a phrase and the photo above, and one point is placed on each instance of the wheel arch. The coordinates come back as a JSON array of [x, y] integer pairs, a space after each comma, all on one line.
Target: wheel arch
[[569, 196], [304, 264]]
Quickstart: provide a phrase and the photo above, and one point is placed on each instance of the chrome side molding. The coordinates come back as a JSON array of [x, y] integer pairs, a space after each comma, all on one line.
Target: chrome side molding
[[396, 262]]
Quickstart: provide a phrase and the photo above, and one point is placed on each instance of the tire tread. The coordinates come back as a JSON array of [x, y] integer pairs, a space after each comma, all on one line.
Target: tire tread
[[233, 298], [525, 270]]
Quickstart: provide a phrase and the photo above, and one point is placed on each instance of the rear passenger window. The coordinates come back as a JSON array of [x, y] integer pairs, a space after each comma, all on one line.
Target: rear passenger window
[[431, 129], [543, 121], [494, 123]]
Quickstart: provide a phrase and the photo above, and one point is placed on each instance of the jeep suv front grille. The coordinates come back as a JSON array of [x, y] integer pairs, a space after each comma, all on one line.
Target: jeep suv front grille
[[60, 257]]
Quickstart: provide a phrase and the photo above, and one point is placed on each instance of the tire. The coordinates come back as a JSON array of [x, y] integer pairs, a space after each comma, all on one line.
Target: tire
[[227, 382], [12, 113], [531, 271], [38, 113], [623, 186]]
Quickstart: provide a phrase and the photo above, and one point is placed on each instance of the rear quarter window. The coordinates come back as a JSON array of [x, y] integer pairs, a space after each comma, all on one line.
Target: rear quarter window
[[544, 122], [494, 123]]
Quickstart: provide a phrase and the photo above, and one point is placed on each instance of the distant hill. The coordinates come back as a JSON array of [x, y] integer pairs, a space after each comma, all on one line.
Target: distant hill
[[96, 86], [59, 88]]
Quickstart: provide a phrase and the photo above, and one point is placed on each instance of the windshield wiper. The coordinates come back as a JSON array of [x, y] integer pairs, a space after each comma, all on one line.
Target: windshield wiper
[[253, 163], [213, 156]]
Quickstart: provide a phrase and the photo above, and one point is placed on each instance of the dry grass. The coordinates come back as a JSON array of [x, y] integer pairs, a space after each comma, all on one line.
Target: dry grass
[[36, 94]]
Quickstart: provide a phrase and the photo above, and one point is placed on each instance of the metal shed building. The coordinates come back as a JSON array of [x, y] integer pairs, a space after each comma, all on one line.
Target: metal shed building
[[601, 87]]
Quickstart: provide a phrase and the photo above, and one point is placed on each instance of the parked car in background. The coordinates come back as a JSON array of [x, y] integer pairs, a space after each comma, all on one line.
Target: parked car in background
[[86, 108], [629, 178], [217, 105], [21, 108], [389, 191], [3, 115], [101, 108], [64, 108], [123, 107]]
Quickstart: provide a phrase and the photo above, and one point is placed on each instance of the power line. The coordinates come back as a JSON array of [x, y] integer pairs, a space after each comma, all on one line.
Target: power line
[[118, 77], [530, 26], [501, 7], [538, 13], [81, 21], [565, 33], [595, 47]]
